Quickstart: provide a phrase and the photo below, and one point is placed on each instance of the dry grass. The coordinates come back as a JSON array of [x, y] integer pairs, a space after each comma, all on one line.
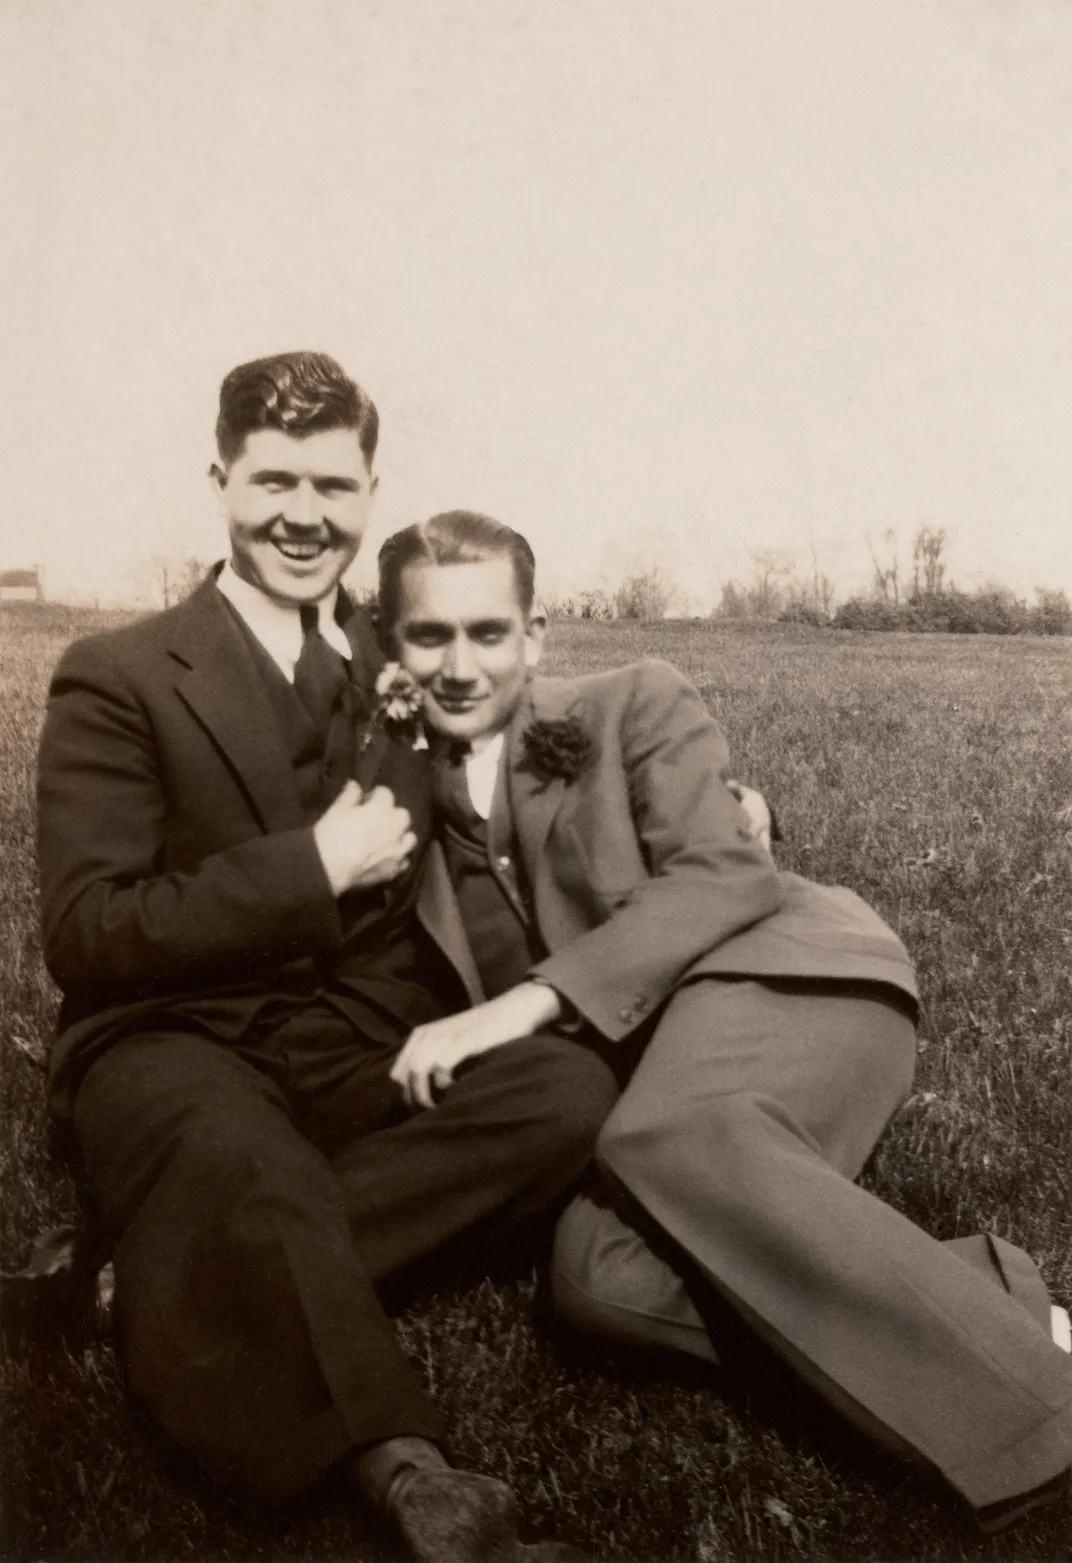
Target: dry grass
[[932, 774]]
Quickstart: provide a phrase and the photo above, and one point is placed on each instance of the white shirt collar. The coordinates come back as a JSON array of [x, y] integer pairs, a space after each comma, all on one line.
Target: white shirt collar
[[278, 625], [481, 771]]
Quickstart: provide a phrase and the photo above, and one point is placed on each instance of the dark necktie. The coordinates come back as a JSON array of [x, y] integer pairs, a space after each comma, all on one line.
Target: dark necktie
[[320, 677], [451, 787]]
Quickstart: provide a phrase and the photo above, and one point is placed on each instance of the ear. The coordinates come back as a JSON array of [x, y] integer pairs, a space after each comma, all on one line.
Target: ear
[[535, 631], [217, 477]]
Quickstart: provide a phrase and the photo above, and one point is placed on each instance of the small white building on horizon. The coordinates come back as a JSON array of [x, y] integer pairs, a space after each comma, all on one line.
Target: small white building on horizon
[[22, 585]]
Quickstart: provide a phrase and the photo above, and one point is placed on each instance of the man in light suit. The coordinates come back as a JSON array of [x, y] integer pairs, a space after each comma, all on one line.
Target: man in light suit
[[231, 827], [594, 875]]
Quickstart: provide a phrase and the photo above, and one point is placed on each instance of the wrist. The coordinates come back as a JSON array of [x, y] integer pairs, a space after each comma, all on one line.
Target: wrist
[[545, 1004], [325, 859]]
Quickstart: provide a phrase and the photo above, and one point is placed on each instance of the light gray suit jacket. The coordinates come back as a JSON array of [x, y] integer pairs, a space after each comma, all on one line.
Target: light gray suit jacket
[[643, 870]]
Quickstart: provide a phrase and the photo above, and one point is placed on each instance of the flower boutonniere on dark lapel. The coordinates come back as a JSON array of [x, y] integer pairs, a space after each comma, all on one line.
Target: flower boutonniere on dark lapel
[[399, 703], [556, 750]]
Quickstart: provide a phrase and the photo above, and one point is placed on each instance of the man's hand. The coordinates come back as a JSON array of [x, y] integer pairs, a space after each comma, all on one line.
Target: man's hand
[[754, 805], [363, 840], [429, 1058]]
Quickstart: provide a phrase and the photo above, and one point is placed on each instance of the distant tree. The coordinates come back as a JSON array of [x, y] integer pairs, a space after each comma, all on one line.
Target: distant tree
[[644, 594], [799, 611], [596, 604], [822, 587], [808, 599], [869, 613], [992, 610], [764, 594], [885, 582], [171, 577], [560, 607], [928, 561], [1052, 613], [733, 603]]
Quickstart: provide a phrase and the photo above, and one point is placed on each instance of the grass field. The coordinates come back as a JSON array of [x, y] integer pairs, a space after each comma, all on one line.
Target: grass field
[[933, 775]]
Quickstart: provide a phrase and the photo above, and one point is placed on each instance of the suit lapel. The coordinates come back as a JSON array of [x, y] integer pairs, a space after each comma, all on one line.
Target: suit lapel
[[217, 678], [439, 914], [533, 800], [371, 752]]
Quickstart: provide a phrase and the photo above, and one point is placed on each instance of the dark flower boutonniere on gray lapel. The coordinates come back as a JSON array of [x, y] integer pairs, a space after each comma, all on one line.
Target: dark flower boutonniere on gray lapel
[[555, 750], [399, 704]]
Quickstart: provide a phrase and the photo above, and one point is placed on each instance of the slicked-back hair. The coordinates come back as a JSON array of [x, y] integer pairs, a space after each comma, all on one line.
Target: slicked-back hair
[[299, 393], [454, 537]]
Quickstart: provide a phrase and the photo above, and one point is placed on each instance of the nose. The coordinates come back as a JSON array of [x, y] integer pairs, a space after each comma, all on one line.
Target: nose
[[302, 508], [459, 662]]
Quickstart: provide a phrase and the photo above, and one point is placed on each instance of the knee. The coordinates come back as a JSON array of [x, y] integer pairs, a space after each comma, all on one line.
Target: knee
[[586, 1276], [606, 1282], [573, 1088]]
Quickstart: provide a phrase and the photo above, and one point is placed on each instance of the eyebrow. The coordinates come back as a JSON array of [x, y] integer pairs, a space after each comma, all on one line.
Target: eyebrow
[[271, 475], [426, 626], [441, 626]]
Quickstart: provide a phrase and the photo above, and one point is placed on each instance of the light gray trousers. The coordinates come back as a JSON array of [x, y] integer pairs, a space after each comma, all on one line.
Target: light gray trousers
[[752, 1110]]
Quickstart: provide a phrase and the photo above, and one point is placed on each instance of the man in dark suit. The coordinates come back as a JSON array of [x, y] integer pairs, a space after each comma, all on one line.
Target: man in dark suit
[[594, 871], [232, 824]]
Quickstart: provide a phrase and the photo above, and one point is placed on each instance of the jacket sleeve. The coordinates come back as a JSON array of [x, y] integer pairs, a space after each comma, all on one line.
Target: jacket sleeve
[[114, 916], [704, 876]]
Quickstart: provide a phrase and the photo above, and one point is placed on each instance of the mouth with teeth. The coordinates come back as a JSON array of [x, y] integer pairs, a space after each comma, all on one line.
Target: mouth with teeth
[[300, 552]]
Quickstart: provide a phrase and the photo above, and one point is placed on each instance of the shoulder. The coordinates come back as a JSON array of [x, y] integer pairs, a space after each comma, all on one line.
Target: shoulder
[[131, 650], [645, 691], [632, 710], [649, 678]]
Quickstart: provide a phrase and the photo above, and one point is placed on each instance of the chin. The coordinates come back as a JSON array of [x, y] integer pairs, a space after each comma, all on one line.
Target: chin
[[302, 588], [460, 727]]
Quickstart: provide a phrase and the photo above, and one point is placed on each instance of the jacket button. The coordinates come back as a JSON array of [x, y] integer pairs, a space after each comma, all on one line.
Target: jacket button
[[640, 1004], [626, 1015], [503, 863]]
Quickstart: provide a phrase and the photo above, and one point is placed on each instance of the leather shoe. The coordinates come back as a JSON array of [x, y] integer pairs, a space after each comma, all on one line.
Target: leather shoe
[[59, 1290], [449, 1516]]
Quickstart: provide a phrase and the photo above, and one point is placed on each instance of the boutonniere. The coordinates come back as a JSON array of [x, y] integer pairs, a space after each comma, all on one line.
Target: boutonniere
[[399, 703], [556, 749]]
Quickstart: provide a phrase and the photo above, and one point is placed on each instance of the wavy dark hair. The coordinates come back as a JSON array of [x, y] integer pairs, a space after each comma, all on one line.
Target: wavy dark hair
[[453, 537], [299, 393]]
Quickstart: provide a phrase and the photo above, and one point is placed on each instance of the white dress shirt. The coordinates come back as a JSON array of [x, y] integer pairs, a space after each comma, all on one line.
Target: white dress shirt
[[481, 770], [277, 625]]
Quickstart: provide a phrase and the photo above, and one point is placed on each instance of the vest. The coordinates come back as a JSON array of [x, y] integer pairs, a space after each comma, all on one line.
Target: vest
[[492, 898], [322, 759]]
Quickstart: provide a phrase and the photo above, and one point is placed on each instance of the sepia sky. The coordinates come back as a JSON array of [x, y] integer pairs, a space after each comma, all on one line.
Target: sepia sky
[[669, 281]]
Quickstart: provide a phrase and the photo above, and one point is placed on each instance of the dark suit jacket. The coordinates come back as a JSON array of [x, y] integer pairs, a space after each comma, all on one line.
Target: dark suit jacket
[[175, 860], [643, 871]]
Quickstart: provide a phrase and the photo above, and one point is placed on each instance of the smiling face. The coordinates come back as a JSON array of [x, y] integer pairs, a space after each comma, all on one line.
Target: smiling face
[[463, 634], [296, 509]]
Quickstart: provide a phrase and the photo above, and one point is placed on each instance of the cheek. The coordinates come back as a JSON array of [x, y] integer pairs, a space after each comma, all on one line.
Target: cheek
[[348, 519], [506, 673], [422, 664], [251, 512]]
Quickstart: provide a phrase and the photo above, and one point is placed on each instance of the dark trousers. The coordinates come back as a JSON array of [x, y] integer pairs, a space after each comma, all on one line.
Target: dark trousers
[[255, 1196]]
